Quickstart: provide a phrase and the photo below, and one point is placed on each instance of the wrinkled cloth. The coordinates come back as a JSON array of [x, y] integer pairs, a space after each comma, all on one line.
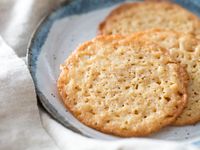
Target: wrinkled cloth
[[20, 126], [19, 18], [68, 140]]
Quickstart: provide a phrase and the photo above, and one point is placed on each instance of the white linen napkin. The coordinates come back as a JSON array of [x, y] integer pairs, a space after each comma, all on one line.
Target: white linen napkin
[[20, 126], [68, 140]]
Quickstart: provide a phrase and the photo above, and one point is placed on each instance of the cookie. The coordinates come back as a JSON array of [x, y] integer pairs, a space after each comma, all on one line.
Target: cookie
[[125, 86], [133, 17], [186, 50]]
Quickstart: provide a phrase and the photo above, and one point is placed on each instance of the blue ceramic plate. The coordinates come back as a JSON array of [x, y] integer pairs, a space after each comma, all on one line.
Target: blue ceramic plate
[[54, 40]]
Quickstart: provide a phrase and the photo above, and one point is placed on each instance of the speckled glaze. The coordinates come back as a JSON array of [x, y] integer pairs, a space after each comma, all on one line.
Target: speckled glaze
[[37, 53]]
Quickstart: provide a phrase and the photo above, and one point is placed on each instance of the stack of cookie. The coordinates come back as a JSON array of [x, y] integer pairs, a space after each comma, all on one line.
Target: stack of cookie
[[141, 74]]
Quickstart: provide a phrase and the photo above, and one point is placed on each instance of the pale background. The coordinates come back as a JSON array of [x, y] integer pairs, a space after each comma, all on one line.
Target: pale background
[[19, 18]]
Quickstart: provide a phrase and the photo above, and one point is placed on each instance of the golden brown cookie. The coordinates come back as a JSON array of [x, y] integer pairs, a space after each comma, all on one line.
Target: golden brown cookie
[[124, 86], [186, 50], [133, 17]]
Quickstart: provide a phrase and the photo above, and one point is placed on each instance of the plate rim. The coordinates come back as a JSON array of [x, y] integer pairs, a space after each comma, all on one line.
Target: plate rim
[[40, 97]]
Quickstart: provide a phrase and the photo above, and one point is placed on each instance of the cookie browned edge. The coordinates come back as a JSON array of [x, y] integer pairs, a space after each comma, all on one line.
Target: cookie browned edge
[[125, 6], [183, 74], [113, 131], [182, 71]]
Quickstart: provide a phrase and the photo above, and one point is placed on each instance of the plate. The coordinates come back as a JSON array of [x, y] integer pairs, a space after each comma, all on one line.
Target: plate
[[55, 39]]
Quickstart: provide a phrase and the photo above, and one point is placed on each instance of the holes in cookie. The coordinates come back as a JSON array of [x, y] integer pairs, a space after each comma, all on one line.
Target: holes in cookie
[[132, 64], [127, 87], [190, 50], [108, 121], [167, 98], [99, 103], [117, 115], [122, 53], [124, 80], [195, 93], [126, 122], [106, 107], [140, 57], [86, 101], [77, 88], [103, 69], [99, 92], [180, 93], [136, 112], [122, 105], [154, 110], [169, 116], [113, 94], [90, 86], [136, 87], [158, 57], [92, 112], [78, 113], [194, 66], [158, 82], [185, 65], [98, 73], [145, 116], [120, 80]]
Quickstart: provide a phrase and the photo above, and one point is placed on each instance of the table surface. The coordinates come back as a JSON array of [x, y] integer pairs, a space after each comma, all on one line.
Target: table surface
[[19, 18]]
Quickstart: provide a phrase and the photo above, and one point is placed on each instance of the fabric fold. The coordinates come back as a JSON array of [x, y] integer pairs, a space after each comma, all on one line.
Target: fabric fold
[[20, 126]]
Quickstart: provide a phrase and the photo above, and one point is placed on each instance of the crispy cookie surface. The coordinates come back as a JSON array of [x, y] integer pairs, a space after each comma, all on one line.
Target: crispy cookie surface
[[185, 49], [133, 17], [123, 86]]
